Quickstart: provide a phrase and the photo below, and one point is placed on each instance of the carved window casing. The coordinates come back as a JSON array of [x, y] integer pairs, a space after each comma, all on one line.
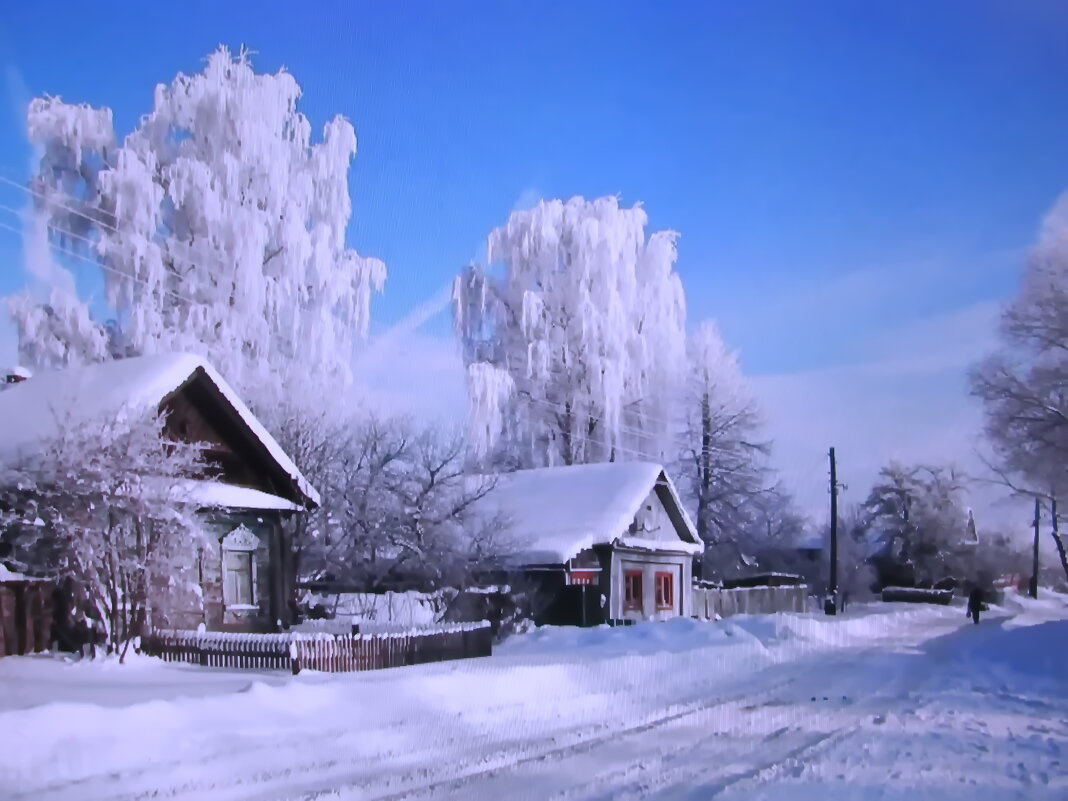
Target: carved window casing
[[239, 569]]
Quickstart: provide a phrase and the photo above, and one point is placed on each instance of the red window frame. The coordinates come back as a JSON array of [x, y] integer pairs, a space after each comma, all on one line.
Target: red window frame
[[665, 590], [632, 591]]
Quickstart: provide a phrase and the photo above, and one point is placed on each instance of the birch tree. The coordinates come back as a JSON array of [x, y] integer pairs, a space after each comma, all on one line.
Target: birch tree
[[722, 460], [219, 227], [573, 336]]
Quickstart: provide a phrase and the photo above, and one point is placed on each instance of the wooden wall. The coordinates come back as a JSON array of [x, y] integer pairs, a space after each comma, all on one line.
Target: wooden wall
[[25, 617]]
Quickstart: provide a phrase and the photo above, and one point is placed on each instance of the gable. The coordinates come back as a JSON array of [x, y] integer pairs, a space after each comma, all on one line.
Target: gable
[[194, 416], [652, 521], [31, 412]]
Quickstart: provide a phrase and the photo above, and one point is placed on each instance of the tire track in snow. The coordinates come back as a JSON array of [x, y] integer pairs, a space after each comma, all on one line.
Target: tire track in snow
[[605, 785], [507, 761], [710, 777]]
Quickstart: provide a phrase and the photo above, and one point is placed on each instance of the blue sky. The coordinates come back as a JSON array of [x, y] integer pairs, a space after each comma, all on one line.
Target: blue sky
[[843, 174]]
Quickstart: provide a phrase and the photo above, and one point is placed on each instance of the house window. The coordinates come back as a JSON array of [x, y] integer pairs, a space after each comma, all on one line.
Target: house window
[[632, 591], [665, 591], [239, 569]]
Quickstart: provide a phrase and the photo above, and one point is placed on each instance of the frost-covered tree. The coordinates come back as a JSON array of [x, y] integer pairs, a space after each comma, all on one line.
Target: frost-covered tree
[[98, 508], [398, 509], [918, 515], [722, 460], [219, 227], [1024, 385], [574, 335]]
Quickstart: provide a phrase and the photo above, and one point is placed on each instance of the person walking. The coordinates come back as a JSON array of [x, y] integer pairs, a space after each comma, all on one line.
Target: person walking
[[975, 603]]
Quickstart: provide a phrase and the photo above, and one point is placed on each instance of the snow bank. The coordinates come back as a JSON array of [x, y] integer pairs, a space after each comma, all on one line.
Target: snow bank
[[671, 636], [867, 623]]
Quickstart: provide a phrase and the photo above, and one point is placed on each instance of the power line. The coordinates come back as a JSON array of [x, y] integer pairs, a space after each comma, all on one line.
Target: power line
[[89, 260], [75, 255], [197, 258], [810, 475]]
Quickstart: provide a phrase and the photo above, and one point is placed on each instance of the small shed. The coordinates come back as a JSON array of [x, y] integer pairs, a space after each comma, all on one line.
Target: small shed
[[618, 528], [26, 612]]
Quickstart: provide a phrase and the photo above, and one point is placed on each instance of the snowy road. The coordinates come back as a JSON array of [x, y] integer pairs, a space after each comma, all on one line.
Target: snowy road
[[907, 703]]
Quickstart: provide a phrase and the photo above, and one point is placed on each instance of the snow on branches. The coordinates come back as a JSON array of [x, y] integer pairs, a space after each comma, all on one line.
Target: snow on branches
[[398, 508], [218, 224], [574, 344], [722, 462], [95, 505]]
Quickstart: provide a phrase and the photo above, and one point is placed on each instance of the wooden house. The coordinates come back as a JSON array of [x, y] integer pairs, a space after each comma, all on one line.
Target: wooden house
[[246, 574], [619, 527]]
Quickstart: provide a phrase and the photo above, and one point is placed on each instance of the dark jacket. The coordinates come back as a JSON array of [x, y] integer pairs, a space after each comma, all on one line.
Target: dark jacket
[[975, 599]]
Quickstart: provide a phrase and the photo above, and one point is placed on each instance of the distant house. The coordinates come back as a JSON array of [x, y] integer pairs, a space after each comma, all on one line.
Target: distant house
[[619, 527], [247, 575]]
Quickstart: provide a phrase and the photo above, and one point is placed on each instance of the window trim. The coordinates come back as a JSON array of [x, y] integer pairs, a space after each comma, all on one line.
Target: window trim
[[633, 602], [664, 581], [240, 541], [583, 577]]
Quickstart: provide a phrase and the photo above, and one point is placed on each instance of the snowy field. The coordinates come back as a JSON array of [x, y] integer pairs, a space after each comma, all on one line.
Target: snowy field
[[886, 702]]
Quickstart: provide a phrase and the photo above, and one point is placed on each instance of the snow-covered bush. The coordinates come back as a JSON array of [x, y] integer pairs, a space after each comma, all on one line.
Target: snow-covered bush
[[95, 508]]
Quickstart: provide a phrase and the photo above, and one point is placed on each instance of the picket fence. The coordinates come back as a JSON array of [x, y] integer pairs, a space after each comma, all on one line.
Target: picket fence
[[330, 653], [712, 603]]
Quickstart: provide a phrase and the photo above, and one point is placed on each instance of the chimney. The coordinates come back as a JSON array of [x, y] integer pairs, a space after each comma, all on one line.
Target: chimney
[[9, 376]]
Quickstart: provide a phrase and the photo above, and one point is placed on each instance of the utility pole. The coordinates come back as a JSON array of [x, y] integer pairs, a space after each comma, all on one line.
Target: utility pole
[[1034, 559], [1056, 530], [830, 606]]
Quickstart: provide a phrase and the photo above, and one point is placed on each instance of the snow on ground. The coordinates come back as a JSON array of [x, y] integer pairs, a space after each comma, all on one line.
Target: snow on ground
[[888, 701]]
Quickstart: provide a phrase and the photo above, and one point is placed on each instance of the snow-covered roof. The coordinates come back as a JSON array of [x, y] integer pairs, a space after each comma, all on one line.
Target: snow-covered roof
[[28, 410], [17, 370], [553, 513], [9, 575], [229, 496]]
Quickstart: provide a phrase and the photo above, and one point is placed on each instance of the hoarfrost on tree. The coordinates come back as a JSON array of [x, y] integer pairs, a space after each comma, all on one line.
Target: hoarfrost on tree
[[581, 317], [219, 224], [722, 462]]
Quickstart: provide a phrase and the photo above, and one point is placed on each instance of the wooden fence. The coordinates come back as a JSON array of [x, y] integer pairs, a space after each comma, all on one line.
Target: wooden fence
[[25, 616], [710, 603], [330, 653]]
